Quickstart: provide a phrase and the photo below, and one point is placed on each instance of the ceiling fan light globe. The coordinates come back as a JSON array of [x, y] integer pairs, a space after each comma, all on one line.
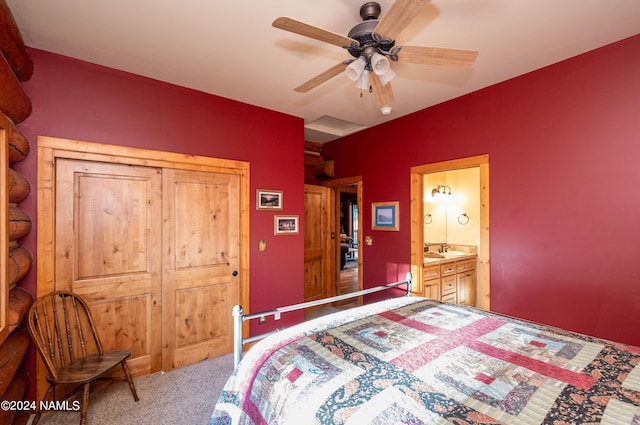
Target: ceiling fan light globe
[[355, 69], [363, 82], [379, 64], [387, 76]]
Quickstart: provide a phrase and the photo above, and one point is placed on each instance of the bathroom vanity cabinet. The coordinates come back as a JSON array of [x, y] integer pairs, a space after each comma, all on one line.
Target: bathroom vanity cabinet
[[452, 281]]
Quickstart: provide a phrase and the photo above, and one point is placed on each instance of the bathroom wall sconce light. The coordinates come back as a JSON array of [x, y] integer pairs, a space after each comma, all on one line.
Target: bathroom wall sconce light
[[441, 190]]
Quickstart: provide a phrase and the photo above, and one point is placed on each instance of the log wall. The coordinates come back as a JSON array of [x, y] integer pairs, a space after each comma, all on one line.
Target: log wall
[[15, 107], [316, 169]]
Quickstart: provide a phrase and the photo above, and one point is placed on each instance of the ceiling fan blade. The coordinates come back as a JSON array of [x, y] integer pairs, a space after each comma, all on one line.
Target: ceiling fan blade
[[316, 33], [383, 94], [437, 56], [321, 78], [398, 16]]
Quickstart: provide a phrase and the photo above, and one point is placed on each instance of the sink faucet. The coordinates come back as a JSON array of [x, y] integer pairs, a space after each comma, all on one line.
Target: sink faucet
[[445, 247]]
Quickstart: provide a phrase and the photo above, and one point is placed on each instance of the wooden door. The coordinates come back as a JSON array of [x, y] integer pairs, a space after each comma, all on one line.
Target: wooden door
[[318, 252], [100, 233], [156, 254], [107, 245], [201, 265]]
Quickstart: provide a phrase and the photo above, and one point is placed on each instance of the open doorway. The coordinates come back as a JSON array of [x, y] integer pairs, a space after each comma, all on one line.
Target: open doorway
[[420, 175], [347, 216], [346, 242]]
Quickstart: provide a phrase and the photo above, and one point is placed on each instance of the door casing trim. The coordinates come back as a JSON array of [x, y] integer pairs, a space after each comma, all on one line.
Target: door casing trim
[[50, 149], [417, 229], [335, 184]]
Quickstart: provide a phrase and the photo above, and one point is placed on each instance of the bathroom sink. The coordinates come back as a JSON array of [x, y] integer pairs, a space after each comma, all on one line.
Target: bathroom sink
[[436, 256], [454, 254]]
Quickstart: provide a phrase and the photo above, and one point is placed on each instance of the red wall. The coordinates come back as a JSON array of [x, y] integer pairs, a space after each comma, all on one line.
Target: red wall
[[564, 151], [77, 100]]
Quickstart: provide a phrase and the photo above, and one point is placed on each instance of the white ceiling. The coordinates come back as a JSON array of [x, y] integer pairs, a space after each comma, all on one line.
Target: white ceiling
[[229, 48]]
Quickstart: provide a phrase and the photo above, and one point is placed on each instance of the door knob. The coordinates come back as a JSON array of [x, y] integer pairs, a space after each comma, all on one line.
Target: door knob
[[235, 273]]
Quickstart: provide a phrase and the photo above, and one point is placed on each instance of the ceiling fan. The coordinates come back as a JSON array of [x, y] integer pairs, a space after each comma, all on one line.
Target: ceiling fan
[[372, 44]]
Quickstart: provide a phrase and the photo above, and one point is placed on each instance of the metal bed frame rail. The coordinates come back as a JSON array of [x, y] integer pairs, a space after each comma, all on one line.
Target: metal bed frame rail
[[239, 317]]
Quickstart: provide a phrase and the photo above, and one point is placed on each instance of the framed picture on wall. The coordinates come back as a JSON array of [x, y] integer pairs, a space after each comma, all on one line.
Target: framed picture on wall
[[385, 216], [285, 225], [269, 199]]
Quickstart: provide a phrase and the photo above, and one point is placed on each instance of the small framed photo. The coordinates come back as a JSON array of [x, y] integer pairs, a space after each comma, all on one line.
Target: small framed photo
[[285, 225], [385, 216], [269, 199]]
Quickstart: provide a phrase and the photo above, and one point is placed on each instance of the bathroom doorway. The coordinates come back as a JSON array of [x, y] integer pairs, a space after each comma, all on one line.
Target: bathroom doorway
[[419, 215]]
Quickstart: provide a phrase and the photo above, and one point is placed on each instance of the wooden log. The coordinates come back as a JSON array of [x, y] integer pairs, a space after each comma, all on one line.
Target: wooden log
[[12, 45], [311, 160], [19, 264], [16, 391], [12, 351], [19, 223], [20, 301], [14, 102], [312, 156], [18, 144], [312, 147], [18, 187], [324, 170]]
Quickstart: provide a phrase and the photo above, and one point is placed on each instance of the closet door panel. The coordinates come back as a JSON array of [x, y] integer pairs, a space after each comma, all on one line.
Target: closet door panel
[[201, 264], [107, 238]]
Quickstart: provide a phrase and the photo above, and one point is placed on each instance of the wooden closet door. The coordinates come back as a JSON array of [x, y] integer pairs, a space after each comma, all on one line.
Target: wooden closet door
[[107, 244], [201, 239], [318, 275]]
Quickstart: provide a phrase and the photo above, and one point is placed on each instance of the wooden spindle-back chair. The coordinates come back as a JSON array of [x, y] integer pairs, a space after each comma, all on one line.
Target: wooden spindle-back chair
[[62, 329]]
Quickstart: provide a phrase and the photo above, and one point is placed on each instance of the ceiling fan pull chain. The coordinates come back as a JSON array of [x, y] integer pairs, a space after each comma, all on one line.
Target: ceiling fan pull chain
[[370, 91]]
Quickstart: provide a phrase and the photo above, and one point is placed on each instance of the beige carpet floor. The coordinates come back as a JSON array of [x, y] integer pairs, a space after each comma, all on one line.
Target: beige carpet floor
[[183, 396]]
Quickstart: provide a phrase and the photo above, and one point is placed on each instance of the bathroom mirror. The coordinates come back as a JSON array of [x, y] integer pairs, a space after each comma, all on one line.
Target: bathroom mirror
[[451, 209]]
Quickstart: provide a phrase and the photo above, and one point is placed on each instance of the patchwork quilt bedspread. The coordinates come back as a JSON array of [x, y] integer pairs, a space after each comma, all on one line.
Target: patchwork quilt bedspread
[[417, 361]]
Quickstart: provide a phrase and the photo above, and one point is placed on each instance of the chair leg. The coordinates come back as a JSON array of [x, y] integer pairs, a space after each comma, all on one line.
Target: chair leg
[[84, 404], [38, 411], [127, 375]]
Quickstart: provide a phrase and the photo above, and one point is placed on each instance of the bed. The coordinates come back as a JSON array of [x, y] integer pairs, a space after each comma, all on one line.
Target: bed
[[413, 360]]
